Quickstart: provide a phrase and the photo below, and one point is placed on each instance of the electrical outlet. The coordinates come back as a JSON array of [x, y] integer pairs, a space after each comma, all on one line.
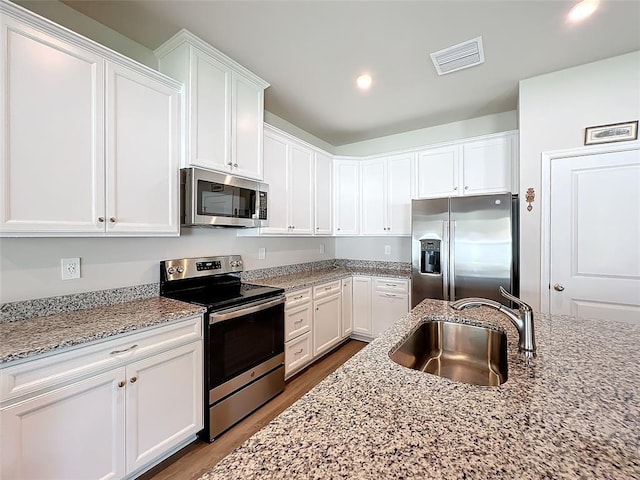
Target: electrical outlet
[[70, 268], [387, 249], [262, 253], [322, 248]]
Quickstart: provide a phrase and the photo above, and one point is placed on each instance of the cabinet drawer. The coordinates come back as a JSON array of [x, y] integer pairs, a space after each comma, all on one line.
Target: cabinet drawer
[[392, 285], [297, 321], [326, 289], [58, 369], [297, 353], [299, 297]]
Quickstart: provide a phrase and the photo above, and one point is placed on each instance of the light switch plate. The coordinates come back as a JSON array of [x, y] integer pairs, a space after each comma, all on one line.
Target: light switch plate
[[322, 248], [262, 253], [70, 268], [387, 249]]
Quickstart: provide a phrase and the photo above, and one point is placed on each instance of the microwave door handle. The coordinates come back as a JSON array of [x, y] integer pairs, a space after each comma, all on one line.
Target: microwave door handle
[[236, 312]]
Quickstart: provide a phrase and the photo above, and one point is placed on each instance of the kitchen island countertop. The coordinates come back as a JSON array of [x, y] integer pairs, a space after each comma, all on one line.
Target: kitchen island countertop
[[573, 413]]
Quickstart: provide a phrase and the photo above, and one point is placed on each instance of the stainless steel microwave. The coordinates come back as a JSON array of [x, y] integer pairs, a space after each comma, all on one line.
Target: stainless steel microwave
[[211, 199]]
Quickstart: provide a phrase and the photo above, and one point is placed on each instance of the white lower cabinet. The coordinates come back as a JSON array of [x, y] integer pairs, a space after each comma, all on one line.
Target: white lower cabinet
[[378, 303], [327, 328], [347, 307], [108, 424], [362, 306]]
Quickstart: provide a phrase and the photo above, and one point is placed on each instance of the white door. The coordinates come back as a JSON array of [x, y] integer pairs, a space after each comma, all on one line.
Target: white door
[[347, 307], [374, 197], [52, 138], [323, 195], [595, 236], [327, 328], [362, 305], [143, 153], [347, 205], [275, 175], [210, 110], [75, 432], [246, 128], [300, 188], [164, 403], [438, 172], [399, 195]]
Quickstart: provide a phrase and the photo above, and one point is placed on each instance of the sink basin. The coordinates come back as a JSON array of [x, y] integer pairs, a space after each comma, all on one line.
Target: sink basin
[[460, 352]]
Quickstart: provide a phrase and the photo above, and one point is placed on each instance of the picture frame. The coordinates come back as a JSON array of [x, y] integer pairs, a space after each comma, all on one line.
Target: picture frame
[[615, 132]]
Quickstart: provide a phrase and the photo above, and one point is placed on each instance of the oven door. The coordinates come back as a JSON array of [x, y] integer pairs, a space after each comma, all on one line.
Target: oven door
[[247, 339]]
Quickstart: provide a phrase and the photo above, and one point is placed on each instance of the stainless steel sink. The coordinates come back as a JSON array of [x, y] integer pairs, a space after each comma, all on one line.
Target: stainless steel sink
[[460, 352]]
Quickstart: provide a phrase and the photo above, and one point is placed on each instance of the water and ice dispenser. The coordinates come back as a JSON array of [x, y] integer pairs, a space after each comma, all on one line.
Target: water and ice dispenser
[[430, 256]]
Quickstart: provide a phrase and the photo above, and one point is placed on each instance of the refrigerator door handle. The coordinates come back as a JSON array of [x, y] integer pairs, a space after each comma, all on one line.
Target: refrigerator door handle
[[445, 260], [452, 260]]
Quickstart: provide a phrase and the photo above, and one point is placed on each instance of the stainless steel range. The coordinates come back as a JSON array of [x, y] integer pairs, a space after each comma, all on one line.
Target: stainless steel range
[[243, 337]]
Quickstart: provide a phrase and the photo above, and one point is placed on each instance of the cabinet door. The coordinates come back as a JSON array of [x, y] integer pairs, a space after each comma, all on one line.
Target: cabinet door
[[247, 127], [347, 205], [399, 195], [164, 403], [438, 172], [323, 188], [275, 175], [387, 309], [487, 166], [143, 153], [327, 330], [362, 305], [73, 432], [52, 134], [210, 107], [297, 321], [347, 307], [300, 188], [374, 197]]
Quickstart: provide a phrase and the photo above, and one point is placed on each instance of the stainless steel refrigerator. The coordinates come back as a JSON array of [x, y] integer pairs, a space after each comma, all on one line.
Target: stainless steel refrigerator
[[464, 247]]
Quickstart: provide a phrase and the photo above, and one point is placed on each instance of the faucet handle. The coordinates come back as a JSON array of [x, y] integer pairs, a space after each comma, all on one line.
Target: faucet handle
[[524, 306]]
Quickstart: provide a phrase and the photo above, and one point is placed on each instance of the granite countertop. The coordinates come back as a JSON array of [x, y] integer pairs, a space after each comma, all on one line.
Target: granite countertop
[[573, 413], [29, 337], [310, 278]]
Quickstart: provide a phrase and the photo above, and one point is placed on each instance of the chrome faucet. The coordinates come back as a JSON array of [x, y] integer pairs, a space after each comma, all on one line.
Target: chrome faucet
[[521, 318]]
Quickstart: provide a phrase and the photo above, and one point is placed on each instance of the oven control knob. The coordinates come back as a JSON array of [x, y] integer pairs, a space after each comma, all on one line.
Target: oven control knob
[[171, 270], [239, 263], [180, 269]]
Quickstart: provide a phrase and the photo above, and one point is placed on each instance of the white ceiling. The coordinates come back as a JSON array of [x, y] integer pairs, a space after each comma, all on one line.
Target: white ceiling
[[312, 51]]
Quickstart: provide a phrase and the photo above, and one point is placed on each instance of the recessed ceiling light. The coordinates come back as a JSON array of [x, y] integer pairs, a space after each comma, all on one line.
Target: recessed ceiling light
[[364, 81], [582, 10]]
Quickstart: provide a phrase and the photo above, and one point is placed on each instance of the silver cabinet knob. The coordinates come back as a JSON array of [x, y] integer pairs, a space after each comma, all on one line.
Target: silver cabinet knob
[[455, 188], [121, 384], [133, 379], [558, 287], [112, 219], [101, 219], [235, 165]]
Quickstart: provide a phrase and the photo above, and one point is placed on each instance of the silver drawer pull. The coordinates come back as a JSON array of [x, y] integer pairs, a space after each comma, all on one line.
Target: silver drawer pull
[[125, 350], [391, 284], [299, 321], [328, 288], [390, 295], [299, 351], [298, 297]]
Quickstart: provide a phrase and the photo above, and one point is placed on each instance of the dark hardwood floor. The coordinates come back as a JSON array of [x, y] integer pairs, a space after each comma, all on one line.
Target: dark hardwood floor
[[192, 461]]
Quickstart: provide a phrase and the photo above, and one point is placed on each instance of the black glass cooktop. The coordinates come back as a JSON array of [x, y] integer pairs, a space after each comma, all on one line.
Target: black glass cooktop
[[223, 295]]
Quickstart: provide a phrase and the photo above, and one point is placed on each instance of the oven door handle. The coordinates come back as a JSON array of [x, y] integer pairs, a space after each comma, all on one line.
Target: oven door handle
[[254, 307]]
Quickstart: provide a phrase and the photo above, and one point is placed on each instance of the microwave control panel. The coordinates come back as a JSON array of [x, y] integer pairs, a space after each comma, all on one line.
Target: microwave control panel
[[262, 206]]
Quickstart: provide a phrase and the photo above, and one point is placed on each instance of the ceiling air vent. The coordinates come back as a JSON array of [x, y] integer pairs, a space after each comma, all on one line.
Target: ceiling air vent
[[463, 55]]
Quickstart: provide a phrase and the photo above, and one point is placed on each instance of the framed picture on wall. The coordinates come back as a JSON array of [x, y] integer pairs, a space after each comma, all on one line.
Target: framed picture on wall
[[616, 132]]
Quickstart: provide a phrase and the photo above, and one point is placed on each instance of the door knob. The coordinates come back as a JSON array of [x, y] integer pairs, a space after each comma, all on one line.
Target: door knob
[[558, 287]]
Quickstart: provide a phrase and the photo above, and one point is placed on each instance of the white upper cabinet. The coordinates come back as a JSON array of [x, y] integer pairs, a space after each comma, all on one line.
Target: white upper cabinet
[[91, 140], [323, 194], [386, 195], [224, 106], [347, 196], [481, 166], [289, 169]]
